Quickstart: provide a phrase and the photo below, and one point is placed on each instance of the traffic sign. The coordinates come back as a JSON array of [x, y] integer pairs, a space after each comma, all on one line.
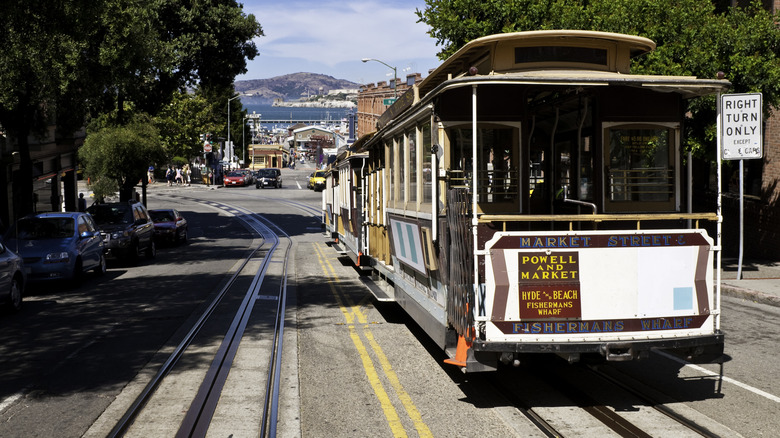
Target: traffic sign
[[206, 147], [741, 126], [389, 101]]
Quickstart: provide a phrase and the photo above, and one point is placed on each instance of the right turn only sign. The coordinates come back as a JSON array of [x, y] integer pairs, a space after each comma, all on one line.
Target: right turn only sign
[[741, 126]]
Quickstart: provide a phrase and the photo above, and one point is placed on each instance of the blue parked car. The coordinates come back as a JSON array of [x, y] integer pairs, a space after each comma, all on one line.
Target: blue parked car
[[57, 246]]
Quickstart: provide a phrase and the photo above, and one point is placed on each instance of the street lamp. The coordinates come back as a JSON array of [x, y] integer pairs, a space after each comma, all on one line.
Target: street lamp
[[395, 74], [228, 147]]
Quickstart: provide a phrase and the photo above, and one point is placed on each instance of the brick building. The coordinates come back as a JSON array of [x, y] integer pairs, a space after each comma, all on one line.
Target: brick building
[[372, 98]]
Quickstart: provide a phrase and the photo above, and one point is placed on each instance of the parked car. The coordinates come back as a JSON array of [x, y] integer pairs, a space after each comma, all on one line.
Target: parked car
[[126, 228], [12, 279], [249, 177], [271, 177], [235, 178], [58, 246], [317, 181], [169, 225]]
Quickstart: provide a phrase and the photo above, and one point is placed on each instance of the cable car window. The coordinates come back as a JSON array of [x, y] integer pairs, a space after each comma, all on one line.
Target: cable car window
[[411, 140], [427, 177], [496, 172], [587, 55], [399, 143], [640, 174], [391, 170]]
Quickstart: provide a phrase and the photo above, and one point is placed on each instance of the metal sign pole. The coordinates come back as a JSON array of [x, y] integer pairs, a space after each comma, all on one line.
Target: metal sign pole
[[719, 207], [740, 118], [741, 216]]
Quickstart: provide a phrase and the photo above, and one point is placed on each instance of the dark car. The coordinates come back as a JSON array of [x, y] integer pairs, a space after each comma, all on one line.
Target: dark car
[[126, 228], [12, 279], [169, 225], [249, 176], [57, 246], [268, 178]]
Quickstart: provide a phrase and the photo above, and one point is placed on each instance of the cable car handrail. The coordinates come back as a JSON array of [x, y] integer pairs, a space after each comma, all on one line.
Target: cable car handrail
[[638, 218], [602, 217]]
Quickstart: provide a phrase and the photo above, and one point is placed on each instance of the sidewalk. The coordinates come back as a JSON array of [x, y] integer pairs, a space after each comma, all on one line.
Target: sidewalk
[[760, 280]]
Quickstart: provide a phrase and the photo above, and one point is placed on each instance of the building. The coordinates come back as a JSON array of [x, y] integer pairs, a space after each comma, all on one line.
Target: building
[[268, 156], [54, 173], [374, 99]]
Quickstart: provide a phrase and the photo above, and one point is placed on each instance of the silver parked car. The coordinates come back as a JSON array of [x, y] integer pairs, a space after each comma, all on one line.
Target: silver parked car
[[12, 279]]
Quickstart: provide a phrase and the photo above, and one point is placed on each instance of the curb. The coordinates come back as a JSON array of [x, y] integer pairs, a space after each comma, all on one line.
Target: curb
[[751, 295]]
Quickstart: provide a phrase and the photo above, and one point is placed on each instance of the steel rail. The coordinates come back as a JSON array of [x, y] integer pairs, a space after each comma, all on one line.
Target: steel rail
[[198, 418], [654, 403], [138, 404], [122, 425], [271, 405], [526, 410]]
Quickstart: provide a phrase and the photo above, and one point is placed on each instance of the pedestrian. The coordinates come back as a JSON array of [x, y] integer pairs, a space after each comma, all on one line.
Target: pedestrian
[[150, 174], [179, 179], [186, 171], [169, 174], [82, 202]]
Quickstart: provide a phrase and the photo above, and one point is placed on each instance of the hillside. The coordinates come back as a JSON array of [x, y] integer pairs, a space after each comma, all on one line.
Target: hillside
[[289, 87]]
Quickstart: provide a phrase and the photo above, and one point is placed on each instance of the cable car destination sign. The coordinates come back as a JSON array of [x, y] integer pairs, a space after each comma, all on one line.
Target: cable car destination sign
[[741, 126]]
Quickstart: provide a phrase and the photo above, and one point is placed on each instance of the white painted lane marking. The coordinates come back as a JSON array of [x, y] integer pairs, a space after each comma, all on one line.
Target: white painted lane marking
[[757, 391]]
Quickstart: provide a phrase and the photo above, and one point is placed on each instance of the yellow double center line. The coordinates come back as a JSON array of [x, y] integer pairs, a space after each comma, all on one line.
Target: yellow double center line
[[353, 312]]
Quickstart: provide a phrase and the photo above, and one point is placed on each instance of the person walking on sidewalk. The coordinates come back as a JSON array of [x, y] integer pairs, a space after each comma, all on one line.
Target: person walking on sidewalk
[[179, 178], [186, 171], [169, 175]]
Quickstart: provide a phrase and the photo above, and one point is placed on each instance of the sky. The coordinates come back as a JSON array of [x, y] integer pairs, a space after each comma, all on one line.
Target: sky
[[331, 37]]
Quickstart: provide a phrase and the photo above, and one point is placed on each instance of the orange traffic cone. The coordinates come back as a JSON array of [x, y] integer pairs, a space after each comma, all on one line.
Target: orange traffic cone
[[461, 353]]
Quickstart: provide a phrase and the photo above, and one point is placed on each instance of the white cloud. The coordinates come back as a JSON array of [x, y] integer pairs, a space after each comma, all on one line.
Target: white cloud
[[331, 37]]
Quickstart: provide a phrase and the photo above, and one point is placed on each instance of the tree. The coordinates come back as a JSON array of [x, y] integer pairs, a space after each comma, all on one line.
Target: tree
[[122, 154], [693, 37], [63, 60], [183, 121], [42, 43]]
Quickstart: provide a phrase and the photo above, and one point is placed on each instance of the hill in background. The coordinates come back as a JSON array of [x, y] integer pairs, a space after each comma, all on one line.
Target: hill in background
[[290, 87]]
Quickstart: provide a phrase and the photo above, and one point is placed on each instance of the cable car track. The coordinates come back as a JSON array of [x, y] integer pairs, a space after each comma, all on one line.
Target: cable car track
[[620, 407], [274, 246]]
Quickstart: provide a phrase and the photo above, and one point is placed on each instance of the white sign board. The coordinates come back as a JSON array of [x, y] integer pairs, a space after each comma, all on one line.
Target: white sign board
[[741, 126]]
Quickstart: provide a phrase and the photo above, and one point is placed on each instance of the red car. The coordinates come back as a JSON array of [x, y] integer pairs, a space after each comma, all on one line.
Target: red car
[[235, 178], [169, 226]]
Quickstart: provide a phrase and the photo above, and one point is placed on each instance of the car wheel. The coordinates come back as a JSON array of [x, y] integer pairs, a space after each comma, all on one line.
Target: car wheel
[[151, 252], [183, 237], [78, 272], [15, 295], [132, 253], [100, 269]]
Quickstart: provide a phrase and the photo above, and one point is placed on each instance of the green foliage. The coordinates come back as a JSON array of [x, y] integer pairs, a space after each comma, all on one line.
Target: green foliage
[[692, 37], [184, 119], [104, 188], [65, 61], [121, 154]]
